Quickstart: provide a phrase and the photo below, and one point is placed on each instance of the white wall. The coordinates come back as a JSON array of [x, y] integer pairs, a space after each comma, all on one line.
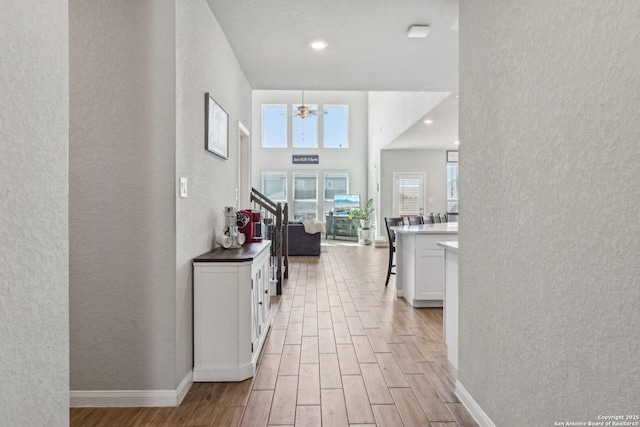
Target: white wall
[[390, 114], [352, 159], [34, 308], [205, 63], [137, 126], [432, 162], [549, 264], [122, 195]]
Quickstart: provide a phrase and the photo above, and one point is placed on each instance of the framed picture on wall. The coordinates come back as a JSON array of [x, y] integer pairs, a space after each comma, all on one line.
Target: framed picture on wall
[[452, 156], [216, 128]]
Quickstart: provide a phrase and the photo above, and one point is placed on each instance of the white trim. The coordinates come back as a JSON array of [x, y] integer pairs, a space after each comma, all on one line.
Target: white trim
[[185, 386], [128, 398], [472, 406], [224, 373]]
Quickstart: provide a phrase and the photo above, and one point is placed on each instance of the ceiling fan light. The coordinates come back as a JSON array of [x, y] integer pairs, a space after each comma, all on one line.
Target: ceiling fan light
[[318, 44]]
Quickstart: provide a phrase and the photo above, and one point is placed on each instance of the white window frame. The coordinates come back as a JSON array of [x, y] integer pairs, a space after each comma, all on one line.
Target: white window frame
[[286, 184], [324, 124], [286, 124], [324, 183], [295, 174], [397, 176], [448, 192]]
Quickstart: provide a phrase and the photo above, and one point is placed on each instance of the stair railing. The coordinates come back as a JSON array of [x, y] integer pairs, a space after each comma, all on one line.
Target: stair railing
[[275, 219]]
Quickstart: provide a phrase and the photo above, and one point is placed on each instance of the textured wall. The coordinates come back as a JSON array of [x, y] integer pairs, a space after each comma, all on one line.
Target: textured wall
[[549, 259], [353, 159], [432, 162], [34, 308], [204, 63], [122, 194]]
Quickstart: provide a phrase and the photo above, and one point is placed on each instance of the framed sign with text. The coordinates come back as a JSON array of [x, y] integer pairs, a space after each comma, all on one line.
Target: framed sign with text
[[452, 157], [306, 159]]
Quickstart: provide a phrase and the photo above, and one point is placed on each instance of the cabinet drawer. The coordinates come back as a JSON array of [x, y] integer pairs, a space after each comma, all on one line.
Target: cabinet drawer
[[431, 241]]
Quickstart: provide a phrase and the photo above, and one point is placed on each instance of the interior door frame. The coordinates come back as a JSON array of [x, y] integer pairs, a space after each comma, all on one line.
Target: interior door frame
[[243, 190], [396, 177]]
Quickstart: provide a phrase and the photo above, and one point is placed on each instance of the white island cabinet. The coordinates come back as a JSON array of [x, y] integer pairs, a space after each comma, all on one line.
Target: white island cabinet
[[450, 315], [231, 312], [420, 262]]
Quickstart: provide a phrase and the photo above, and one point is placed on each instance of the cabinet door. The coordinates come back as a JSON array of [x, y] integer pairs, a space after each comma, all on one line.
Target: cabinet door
[[266, 288], [430, 274], [255, 310]]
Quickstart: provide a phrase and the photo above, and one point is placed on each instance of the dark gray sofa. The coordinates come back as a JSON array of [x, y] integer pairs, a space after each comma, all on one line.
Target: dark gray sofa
[[302, 243]]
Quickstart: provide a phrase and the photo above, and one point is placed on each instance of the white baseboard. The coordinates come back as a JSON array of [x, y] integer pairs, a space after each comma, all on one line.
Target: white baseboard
[[185, 386], [127, 398], [472, 406], [209, 374]]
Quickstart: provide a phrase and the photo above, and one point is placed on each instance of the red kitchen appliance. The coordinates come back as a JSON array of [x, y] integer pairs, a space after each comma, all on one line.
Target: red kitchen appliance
[[253, 227]]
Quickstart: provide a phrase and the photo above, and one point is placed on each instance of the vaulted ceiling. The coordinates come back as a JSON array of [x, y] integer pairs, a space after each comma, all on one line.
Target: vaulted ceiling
[[368, 44]]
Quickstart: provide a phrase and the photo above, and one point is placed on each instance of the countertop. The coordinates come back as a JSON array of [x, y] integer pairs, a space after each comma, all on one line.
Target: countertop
[[244, 254], [449, 245], [445, 228]]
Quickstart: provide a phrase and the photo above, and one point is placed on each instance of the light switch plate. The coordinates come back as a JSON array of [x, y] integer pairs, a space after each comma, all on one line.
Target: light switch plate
[[183, 186]]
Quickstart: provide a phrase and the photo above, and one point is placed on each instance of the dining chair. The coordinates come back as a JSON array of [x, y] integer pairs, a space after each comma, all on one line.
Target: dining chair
[[436, 218], [443, 217], [429, 218], [391, 222], [416, 220]]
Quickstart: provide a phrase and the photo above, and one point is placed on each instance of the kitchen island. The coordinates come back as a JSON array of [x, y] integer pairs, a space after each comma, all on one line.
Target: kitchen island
[[450, 316], [420, 262]]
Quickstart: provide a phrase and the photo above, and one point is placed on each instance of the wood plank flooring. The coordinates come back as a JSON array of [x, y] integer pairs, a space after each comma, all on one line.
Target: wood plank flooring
[[342, 350]]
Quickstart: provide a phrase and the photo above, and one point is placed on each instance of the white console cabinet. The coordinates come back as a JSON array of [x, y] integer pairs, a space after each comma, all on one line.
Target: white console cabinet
[[231, 312]]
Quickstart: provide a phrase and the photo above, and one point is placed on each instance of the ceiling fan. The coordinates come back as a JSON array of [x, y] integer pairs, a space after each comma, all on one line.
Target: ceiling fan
[[304, 111]]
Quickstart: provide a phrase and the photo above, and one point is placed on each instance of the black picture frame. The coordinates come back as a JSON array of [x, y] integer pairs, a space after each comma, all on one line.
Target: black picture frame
[[216, 128]]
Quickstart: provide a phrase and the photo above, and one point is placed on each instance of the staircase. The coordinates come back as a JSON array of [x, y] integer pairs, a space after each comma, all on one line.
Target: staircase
[[275, 219]]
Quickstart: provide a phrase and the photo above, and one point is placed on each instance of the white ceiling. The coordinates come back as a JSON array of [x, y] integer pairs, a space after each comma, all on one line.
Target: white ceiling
[[368, 46], [439, 135]]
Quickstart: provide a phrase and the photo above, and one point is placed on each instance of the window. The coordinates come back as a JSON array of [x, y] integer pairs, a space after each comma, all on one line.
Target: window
[[305, 131], [305, 194], [336, 126], [274, 186], [334, 183], [452, 188], [274, 126], [408, 194]]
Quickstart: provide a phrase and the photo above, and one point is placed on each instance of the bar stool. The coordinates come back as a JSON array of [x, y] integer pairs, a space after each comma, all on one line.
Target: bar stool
[[391, 222], [416, 220]]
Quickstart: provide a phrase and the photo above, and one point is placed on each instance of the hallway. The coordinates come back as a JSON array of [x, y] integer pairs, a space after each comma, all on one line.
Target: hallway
[[342, 350]]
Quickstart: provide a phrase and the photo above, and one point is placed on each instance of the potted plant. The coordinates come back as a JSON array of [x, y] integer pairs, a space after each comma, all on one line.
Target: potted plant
[[363, 215]]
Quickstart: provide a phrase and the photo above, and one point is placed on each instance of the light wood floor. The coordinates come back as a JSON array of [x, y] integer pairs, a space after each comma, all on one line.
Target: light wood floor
[[342, 350]]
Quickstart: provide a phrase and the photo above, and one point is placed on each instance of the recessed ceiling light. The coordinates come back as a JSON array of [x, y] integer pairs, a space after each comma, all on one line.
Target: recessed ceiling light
[[428, 121], [318, 44], [418, 31], [456, 142]]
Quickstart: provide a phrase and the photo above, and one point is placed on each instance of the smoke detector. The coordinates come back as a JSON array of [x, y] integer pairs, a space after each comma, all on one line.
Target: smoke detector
[[420, 31]]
